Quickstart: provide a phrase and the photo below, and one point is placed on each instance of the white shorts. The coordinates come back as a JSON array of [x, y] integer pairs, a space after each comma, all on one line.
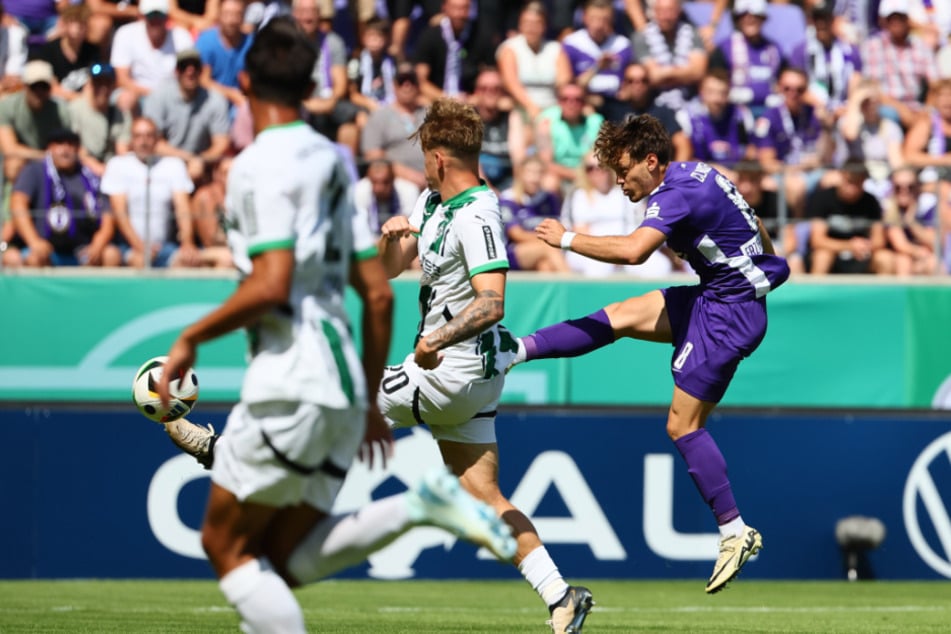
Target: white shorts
[[287, 453], [454, 400]]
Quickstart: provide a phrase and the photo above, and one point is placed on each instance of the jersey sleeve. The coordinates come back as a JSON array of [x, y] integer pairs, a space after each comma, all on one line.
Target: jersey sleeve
[[482, 240], [664, 210]]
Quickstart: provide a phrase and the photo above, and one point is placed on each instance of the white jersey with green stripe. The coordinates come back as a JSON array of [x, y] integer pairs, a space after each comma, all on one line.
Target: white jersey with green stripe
[[291, 190], [460, 238]]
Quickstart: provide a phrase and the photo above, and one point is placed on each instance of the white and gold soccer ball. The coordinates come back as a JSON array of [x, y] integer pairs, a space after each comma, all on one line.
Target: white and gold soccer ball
[[183, 392]]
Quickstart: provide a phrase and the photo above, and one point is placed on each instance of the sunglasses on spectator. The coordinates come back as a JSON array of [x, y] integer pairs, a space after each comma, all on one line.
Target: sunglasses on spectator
[[799, 90], [572, 99], [905, 187], [635, 80], [592, 167], [406, 78]]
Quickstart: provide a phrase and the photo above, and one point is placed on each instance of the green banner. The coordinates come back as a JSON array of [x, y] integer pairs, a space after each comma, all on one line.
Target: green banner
[[853, 343]]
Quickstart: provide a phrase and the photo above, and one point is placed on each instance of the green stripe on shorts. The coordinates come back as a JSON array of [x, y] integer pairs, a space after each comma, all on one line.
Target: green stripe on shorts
[[333, 338]]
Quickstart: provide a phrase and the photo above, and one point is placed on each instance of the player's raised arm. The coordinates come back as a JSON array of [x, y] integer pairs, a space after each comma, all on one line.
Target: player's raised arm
[[633, 248]]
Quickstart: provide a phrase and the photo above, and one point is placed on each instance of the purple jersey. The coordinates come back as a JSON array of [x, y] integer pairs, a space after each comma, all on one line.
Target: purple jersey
[[790, 135], [529, 214], [583, 53], [753, 68], [708, 222], [724, 140]]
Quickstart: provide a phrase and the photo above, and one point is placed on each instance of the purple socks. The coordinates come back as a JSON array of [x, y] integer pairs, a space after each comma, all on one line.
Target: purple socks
[[707, 467], [570, 338]]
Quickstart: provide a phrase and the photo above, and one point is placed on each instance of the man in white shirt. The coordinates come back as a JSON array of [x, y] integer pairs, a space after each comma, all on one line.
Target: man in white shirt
[[144, 52]]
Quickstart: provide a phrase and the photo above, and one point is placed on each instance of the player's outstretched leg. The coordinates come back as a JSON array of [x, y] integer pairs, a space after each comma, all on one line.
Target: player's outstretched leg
[[195, 440], [568, 615], [439, 500], [735, 551]]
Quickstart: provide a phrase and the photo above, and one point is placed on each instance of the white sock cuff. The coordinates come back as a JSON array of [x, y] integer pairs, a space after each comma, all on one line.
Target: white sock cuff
[[542, 574], [243, 580]]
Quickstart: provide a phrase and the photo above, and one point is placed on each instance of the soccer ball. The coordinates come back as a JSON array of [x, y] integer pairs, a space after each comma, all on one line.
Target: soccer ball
[[183, 392]]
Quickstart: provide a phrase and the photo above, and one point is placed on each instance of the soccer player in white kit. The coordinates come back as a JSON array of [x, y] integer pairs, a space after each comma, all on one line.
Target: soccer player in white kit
[[452, 381], [302, 416]]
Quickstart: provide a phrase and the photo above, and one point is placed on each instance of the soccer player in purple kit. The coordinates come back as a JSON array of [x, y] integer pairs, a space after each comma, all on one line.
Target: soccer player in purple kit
[[712, 325]]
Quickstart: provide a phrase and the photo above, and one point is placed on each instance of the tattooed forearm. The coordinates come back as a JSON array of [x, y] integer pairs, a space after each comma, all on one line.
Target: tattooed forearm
[[486, 309]]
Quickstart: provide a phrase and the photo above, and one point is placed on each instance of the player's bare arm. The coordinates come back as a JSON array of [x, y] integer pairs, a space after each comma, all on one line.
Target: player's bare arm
[[486, 309], [370, 282], [764, 237], [268, 286], [634, 248], [397, 245]]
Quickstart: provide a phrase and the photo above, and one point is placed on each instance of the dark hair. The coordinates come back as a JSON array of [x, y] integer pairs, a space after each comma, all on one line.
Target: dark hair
[[637, 137], [279, 63], [453, 126], [378, 24]]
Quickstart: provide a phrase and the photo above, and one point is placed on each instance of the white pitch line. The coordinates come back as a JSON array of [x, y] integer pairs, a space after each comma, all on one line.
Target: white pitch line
[[884, 609]]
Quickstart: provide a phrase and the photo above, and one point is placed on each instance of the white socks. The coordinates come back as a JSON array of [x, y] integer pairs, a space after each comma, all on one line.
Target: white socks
[[342, 541], [262, 599], [541, 572], [733, 528]]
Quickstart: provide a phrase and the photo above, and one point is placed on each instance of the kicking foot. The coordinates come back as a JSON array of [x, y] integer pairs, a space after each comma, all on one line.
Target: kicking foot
[[735, 551], [568, 615], [439, 500], [195, 440]]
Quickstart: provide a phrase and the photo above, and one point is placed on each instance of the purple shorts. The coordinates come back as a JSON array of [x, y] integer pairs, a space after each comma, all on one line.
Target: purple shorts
[[710, 339]]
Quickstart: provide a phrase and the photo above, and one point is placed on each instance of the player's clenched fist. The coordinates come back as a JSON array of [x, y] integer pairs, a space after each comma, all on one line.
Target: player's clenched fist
[[397, 227], [550, 230]]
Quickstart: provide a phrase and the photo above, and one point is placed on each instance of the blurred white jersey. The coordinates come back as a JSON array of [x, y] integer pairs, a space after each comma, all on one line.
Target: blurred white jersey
[[460, 238], [301, 351]]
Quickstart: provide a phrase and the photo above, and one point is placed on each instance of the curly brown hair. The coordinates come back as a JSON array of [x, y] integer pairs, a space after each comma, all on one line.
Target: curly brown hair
[[453, 126], [637, 137]]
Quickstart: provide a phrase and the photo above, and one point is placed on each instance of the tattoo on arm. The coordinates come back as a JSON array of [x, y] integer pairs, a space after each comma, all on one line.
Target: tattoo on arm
[[485, 310]]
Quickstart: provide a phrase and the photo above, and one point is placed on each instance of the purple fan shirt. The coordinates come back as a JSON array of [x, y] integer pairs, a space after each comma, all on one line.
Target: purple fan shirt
[[790, 135], [707, 221]]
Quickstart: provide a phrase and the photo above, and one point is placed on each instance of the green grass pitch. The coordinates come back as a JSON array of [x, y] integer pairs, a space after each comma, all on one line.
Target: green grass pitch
[[423, 607]]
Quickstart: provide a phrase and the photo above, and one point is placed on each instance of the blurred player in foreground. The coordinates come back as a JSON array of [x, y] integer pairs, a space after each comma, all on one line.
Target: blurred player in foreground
[[713, 326], [302, 416], [454, 378]]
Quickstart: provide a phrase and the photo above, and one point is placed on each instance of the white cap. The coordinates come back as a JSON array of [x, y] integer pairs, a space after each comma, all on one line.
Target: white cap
[[889, 7], [37, 71], [153, 6], [753, 7]]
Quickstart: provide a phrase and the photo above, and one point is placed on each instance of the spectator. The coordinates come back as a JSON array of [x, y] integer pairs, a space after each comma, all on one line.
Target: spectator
[[532, 66], [193, 121], [911, 225], [598, 56], [103, 128], [208, 207], [506, 137], [222, 48], [71, 54], [371, 72], [149, 197], [866, 135], [144, 52], [449, 54], [27, 117], [194, 15], [12, 53], [832, 64], [638, 98], [943, 59], [331, 113], [751, 59], [106, 17], [382, 194], [38, 17], [59, 212], [847, 233], [673, 54], [524, 206], [792, 139], [387, 132], [721, 133], [927, 142], [564, 135], [597, 206], [901, 64]]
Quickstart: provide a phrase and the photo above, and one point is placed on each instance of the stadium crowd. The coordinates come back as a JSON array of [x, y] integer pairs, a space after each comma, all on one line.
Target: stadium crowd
[[118, 120]]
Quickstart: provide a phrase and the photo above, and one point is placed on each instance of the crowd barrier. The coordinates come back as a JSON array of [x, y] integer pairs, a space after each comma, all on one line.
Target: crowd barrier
[[847, 341]]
